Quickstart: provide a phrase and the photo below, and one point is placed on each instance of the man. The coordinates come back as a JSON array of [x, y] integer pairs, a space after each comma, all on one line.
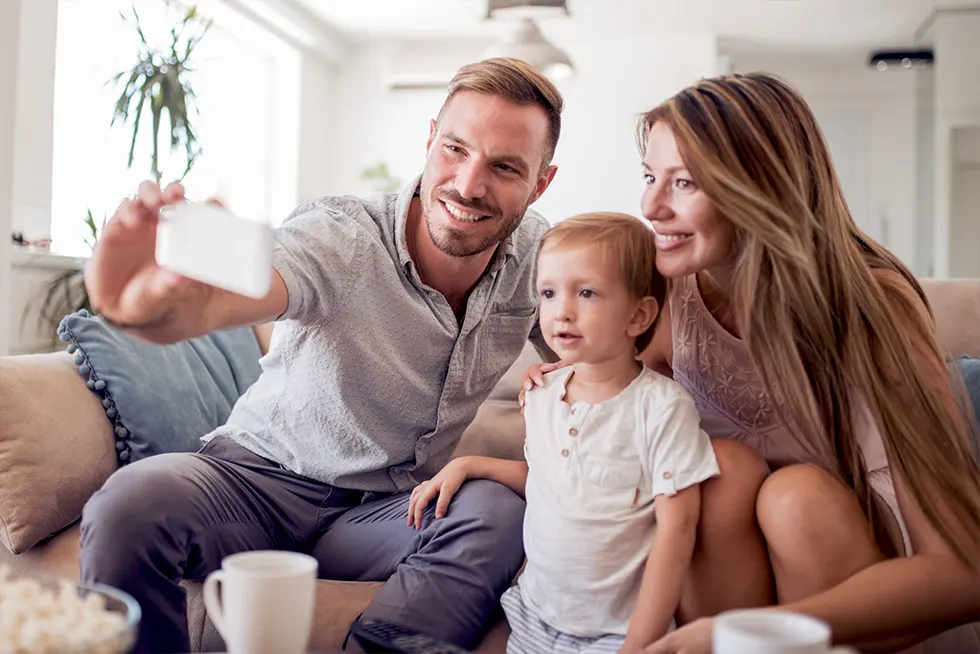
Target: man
[[396, 318]]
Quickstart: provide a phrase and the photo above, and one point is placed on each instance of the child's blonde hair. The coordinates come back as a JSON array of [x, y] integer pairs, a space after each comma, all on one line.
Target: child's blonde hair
[[628, 244]]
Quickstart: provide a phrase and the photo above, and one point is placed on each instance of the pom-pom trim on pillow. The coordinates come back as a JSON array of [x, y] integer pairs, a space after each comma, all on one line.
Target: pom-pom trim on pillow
[[124, 453]]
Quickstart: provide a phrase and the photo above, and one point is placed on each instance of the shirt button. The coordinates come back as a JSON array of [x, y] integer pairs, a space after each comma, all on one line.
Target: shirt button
[[572, 411], [564, 452], [573, 432], [668, 475]]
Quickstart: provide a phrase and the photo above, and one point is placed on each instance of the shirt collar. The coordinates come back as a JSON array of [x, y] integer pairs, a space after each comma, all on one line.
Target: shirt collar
[[505, 251], [402, 204]]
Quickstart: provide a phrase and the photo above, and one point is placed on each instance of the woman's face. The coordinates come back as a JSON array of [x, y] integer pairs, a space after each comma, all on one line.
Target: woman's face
[[692, 236]]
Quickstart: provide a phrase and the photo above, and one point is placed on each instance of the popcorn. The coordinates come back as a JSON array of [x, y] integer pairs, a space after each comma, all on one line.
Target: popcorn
[[41, 618]]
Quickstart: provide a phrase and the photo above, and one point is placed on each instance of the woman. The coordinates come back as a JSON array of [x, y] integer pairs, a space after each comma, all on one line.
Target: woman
[[811, 353]]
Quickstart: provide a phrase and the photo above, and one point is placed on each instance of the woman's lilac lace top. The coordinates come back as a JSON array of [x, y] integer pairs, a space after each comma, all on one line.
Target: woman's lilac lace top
[[717, 370]]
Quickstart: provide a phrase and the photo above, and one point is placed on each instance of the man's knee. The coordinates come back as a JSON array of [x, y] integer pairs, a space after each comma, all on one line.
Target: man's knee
[[134, 501], [491, 509]]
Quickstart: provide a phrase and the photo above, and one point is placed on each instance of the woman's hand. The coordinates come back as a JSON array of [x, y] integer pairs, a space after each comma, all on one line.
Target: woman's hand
[[444, 485], [535, 377], [692, 638]]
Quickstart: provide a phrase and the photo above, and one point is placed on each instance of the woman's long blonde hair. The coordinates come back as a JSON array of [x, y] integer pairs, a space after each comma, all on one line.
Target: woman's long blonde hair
[[830, 317]]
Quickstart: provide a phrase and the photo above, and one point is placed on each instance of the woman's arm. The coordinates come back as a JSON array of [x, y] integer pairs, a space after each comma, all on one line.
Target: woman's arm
[[667, 567]]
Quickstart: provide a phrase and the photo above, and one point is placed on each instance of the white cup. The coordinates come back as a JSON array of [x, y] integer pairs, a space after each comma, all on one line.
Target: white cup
[[749, 631], [265, 603]]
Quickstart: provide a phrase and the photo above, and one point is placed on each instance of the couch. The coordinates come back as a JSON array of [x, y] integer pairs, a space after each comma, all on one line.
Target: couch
[[57, 448]]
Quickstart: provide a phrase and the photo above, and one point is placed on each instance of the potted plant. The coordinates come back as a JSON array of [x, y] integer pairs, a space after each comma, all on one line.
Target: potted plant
[[158, 82], [66, 293]]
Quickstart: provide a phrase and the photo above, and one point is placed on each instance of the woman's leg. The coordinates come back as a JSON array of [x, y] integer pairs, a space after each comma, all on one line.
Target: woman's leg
[[816, 532], [730, 567]]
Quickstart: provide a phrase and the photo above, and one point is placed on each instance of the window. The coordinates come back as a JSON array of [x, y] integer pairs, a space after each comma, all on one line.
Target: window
[[247, 86]]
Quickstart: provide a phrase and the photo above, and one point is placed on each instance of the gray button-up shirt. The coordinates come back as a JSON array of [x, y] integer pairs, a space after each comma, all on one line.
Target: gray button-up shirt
[[370, 379]]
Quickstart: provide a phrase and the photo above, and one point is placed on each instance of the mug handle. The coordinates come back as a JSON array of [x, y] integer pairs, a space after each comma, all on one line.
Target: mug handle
[[212, 600]]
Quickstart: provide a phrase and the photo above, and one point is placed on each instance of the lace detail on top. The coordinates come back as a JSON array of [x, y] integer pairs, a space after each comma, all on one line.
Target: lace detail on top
[[717, 370]]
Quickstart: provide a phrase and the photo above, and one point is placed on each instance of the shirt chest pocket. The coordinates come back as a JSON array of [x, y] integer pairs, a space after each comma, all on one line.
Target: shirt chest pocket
[[501, 340], [611, 484]]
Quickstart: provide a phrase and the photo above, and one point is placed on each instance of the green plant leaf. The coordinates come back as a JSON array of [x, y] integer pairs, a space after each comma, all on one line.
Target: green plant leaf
[[136, 131], [139, 30], [157, 109], [161, 77]]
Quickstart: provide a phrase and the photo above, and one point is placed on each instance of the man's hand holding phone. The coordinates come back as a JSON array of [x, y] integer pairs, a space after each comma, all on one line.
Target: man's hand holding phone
[[129, 287]]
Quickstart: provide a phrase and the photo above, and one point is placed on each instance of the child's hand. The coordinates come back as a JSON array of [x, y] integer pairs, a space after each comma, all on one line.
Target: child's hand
[[535, 377], [445, 484]]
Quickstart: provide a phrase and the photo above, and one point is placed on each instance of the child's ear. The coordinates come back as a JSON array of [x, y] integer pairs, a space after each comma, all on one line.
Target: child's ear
[[646, 312]]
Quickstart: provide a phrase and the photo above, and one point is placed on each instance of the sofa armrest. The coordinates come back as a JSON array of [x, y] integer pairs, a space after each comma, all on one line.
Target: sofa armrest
[[956, 306]]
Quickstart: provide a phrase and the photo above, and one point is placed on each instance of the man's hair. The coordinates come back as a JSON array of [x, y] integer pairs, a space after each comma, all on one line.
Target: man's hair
[[517, 81], [627, 243]]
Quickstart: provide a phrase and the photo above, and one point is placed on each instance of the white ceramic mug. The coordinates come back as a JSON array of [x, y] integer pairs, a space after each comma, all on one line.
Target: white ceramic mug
[[265, 603], [772, 632]]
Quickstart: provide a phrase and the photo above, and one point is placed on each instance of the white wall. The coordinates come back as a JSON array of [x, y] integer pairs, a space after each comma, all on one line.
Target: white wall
[[964, 251], [956, 36], [34, 139], [315, 118], [9, 45], [616, 80], [925, 151], [869, 119]]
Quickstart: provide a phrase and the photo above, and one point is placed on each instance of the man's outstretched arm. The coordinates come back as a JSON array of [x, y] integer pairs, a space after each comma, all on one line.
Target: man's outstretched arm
[[128, 289]]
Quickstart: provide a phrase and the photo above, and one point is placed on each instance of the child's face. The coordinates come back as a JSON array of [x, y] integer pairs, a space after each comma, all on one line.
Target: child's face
[[587, 313]]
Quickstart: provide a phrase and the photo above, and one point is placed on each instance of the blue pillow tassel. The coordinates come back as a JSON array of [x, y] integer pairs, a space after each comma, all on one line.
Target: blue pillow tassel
[[98, 386]]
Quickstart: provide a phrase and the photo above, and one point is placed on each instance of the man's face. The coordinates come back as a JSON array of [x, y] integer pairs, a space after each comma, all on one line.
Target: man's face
[[483, 169]]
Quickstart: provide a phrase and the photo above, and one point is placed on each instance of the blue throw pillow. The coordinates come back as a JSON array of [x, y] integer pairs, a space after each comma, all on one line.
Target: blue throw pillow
[[161, 398]]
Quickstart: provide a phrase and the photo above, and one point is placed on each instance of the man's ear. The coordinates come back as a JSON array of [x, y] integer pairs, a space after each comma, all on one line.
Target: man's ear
[[544, 181], [644, 315], [432, 136]]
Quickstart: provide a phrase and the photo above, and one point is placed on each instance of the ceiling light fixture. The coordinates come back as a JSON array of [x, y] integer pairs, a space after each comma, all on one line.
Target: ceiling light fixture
[[885, 60], [526, 8], [528, 43]]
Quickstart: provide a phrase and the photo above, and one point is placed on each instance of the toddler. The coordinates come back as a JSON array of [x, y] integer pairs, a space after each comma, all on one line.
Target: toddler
[[614, 454]]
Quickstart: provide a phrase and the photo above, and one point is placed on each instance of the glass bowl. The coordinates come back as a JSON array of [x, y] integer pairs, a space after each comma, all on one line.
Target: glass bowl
[[66, 610]]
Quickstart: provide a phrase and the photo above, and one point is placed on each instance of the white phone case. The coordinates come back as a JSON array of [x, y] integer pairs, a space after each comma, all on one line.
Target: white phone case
[[212, 245]]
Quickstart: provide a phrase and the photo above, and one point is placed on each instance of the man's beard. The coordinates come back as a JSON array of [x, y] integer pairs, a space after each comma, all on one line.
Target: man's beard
[[456, 243]]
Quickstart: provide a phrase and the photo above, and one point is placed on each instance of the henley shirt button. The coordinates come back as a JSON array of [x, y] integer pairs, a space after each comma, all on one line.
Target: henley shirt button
[[564, 452], [573, 432], [668, 475]]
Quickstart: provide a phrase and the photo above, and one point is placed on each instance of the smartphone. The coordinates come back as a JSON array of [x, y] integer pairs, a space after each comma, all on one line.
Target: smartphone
[[208, 243]]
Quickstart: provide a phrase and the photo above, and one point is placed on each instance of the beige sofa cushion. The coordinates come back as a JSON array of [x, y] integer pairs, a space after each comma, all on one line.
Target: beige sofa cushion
[[56, 447], [498, 428], [956, 305]]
